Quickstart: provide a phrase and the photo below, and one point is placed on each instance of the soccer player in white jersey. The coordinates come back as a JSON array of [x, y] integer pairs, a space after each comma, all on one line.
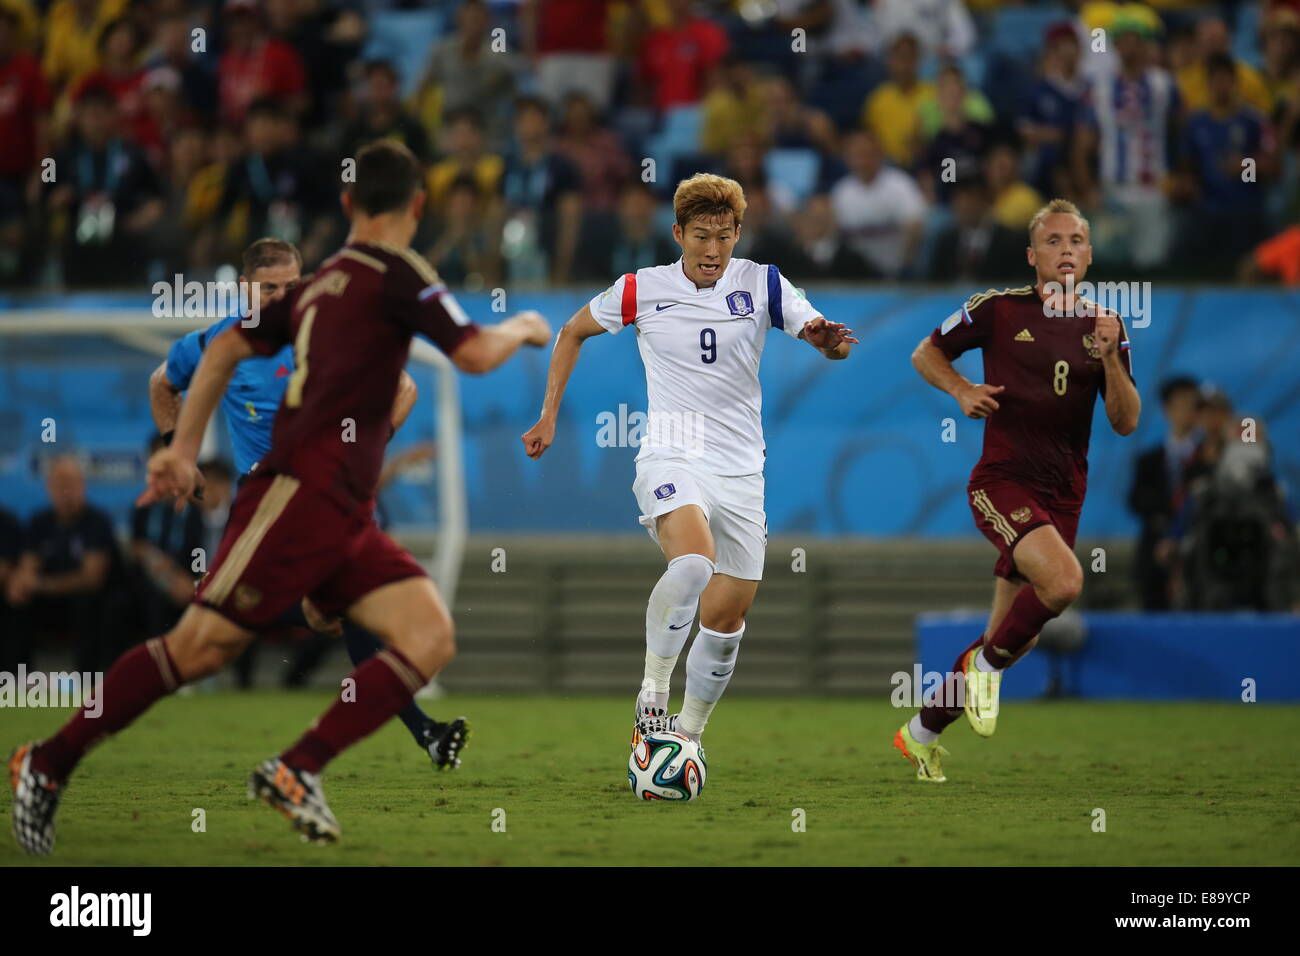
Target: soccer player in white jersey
[[700, 326]]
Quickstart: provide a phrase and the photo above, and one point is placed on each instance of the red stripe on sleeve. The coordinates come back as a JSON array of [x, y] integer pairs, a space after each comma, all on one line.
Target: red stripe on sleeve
[[629, 298]]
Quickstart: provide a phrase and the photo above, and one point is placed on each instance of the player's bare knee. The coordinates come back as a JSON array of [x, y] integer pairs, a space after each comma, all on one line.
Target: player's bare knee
[[1064, 589], [198, 654], [724, 623], [429, 644]]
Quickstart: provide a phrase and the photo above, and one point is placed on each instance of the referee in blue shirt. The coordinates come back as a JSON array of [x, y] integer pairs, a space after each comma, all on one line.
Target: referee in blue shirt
[[250, 403]]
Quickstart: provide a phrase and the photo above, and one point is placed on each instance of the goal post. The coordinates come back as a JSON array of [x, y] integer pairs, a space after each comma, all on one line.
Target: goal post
[[137, 329]]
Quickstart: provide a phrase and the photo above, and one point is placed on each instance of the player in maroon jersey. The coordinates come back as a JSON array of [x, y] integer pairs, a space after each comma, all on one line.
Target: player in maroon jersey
[[1047, 355], [301, 523]]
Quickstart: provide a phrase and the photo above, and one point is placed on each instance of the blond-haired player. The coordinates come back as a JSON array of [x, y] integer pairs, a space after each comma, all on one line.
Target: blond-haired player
[[700, 325], [1048, 353]]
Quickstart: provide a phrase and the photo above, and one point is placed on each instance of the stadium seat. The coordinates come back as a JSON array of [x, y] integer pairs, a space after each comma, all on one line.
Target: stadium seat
[[679, 135], [1018, 31], [404, 37], [974, 65], [796, 169], [1245, 35]]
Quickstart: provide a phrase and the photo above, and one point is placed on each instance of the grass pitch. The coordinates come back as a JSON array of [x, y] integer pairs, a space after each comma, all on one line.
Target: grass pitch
[[1180, 784]]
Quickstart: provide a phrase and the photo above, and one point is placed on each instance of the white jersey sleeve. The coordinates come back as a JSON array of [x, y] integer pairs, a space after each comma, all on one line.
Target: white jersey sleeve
[[615, 308], [787, 307]]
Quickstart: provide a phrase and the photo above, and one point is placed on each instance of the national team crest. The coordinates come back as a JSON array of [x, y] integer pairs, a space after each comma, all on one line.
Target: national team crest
[[1090, 344], [740, 303], [663, 492], [1021, 515]]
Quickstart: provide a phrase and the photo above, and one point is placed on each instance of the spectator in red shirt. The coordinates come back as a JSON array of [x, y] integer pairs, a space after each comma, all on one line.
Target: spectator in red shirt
[[24, 102], [566, 42], [678, 61], [256, 66], [119, 45]]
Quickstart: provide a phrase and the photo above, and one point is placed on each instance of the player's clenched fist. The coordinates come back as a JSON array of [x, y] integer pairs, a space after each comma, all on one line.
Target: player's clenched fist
[[977, 401], [170, 474], [538, 438], [1107, 332]]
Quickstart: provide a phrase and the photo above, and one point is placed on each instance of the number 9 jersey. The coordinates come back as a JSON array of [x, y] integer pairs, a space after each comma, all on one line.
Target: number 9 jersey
[[701, 350]]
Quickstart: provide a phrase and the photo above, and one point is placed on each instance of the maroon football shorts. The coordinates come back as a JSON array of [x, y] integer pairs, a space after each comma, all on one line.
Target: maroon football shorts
[[1005, 512], [285, 541]]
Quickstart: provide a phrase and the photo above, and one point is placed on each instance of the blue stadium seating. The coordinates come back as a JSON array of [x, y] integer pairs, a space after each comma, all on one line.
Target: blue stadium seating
[[1245, 36], [796, 169], [678, 135]]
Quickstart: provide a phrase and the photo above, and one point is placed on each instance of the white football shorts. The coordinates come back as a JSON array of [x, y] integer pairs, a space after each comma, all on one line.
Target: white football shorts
[[733, 506]]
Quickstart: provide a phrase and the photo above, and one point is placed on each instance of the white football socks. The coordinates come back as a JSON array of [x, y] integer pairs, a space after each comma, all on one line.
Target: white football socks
[[709, 666], [670, 614], [919, 732], [658, 672]]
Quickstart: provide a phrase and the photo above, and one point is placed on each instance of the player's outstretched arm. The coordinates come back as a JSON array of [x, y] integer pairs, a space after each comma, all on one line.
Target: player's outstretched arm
[[164, 400], [494, 344], [565, 355], [976, 401], [832, 339], [172, 470]]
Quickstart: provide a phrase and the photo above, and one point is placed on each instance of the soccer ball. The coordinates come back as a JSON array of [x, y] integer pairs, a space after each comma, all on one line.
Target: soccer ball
[[666, 766]]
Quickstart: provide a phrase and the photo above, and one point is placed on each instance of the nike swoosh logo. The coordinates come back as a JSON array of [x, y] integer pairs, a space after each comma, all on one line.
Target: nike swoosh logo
[[716, 674], [678, 627], [660, 308]]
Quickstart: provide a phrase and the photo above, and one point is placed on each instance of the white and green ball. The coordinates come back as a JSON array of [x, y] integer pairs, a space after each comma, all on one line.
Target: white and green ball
[[666, 766]]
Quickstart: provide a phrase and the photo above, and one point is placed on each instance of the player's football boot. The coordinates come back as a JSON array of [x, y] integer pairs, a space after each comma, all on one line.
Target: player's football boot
[[36, 798], [926, 758], [650, 717], [444, 742], [981, 696], [297, 794]]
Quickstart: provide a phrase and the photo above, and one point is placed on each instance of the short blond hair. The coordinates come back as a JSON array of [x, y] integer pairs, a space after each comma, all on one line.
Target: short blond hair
[[1051, 209], [706, 196]]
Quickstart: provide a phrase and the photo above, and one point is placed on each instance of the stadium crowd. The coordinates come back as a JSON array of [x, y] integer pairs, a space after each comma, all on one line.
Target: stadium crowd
[[894, 139]]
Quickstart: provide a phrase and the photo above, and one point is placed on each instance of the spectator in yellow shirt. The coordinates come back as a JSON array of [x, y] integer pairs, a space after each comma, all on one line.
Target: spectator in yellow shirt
[[1193, 81], [465, 157], [72, 30], [733, 109], [892, 110], [1014, 200]]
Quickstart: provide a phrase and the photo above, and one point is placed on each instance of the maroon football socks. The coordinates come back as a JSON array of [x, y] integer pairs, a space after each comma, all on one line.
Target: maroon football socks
[[1025, 619], [935, 713], [381, 686], [141, 676]]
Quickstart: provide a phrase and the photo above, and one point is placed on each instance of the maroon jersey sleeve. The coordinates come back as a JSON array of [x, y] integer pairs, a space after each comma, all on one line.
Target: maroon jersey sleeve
[[967, 328], [1125, 357], [269, 330], [420, 301]]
